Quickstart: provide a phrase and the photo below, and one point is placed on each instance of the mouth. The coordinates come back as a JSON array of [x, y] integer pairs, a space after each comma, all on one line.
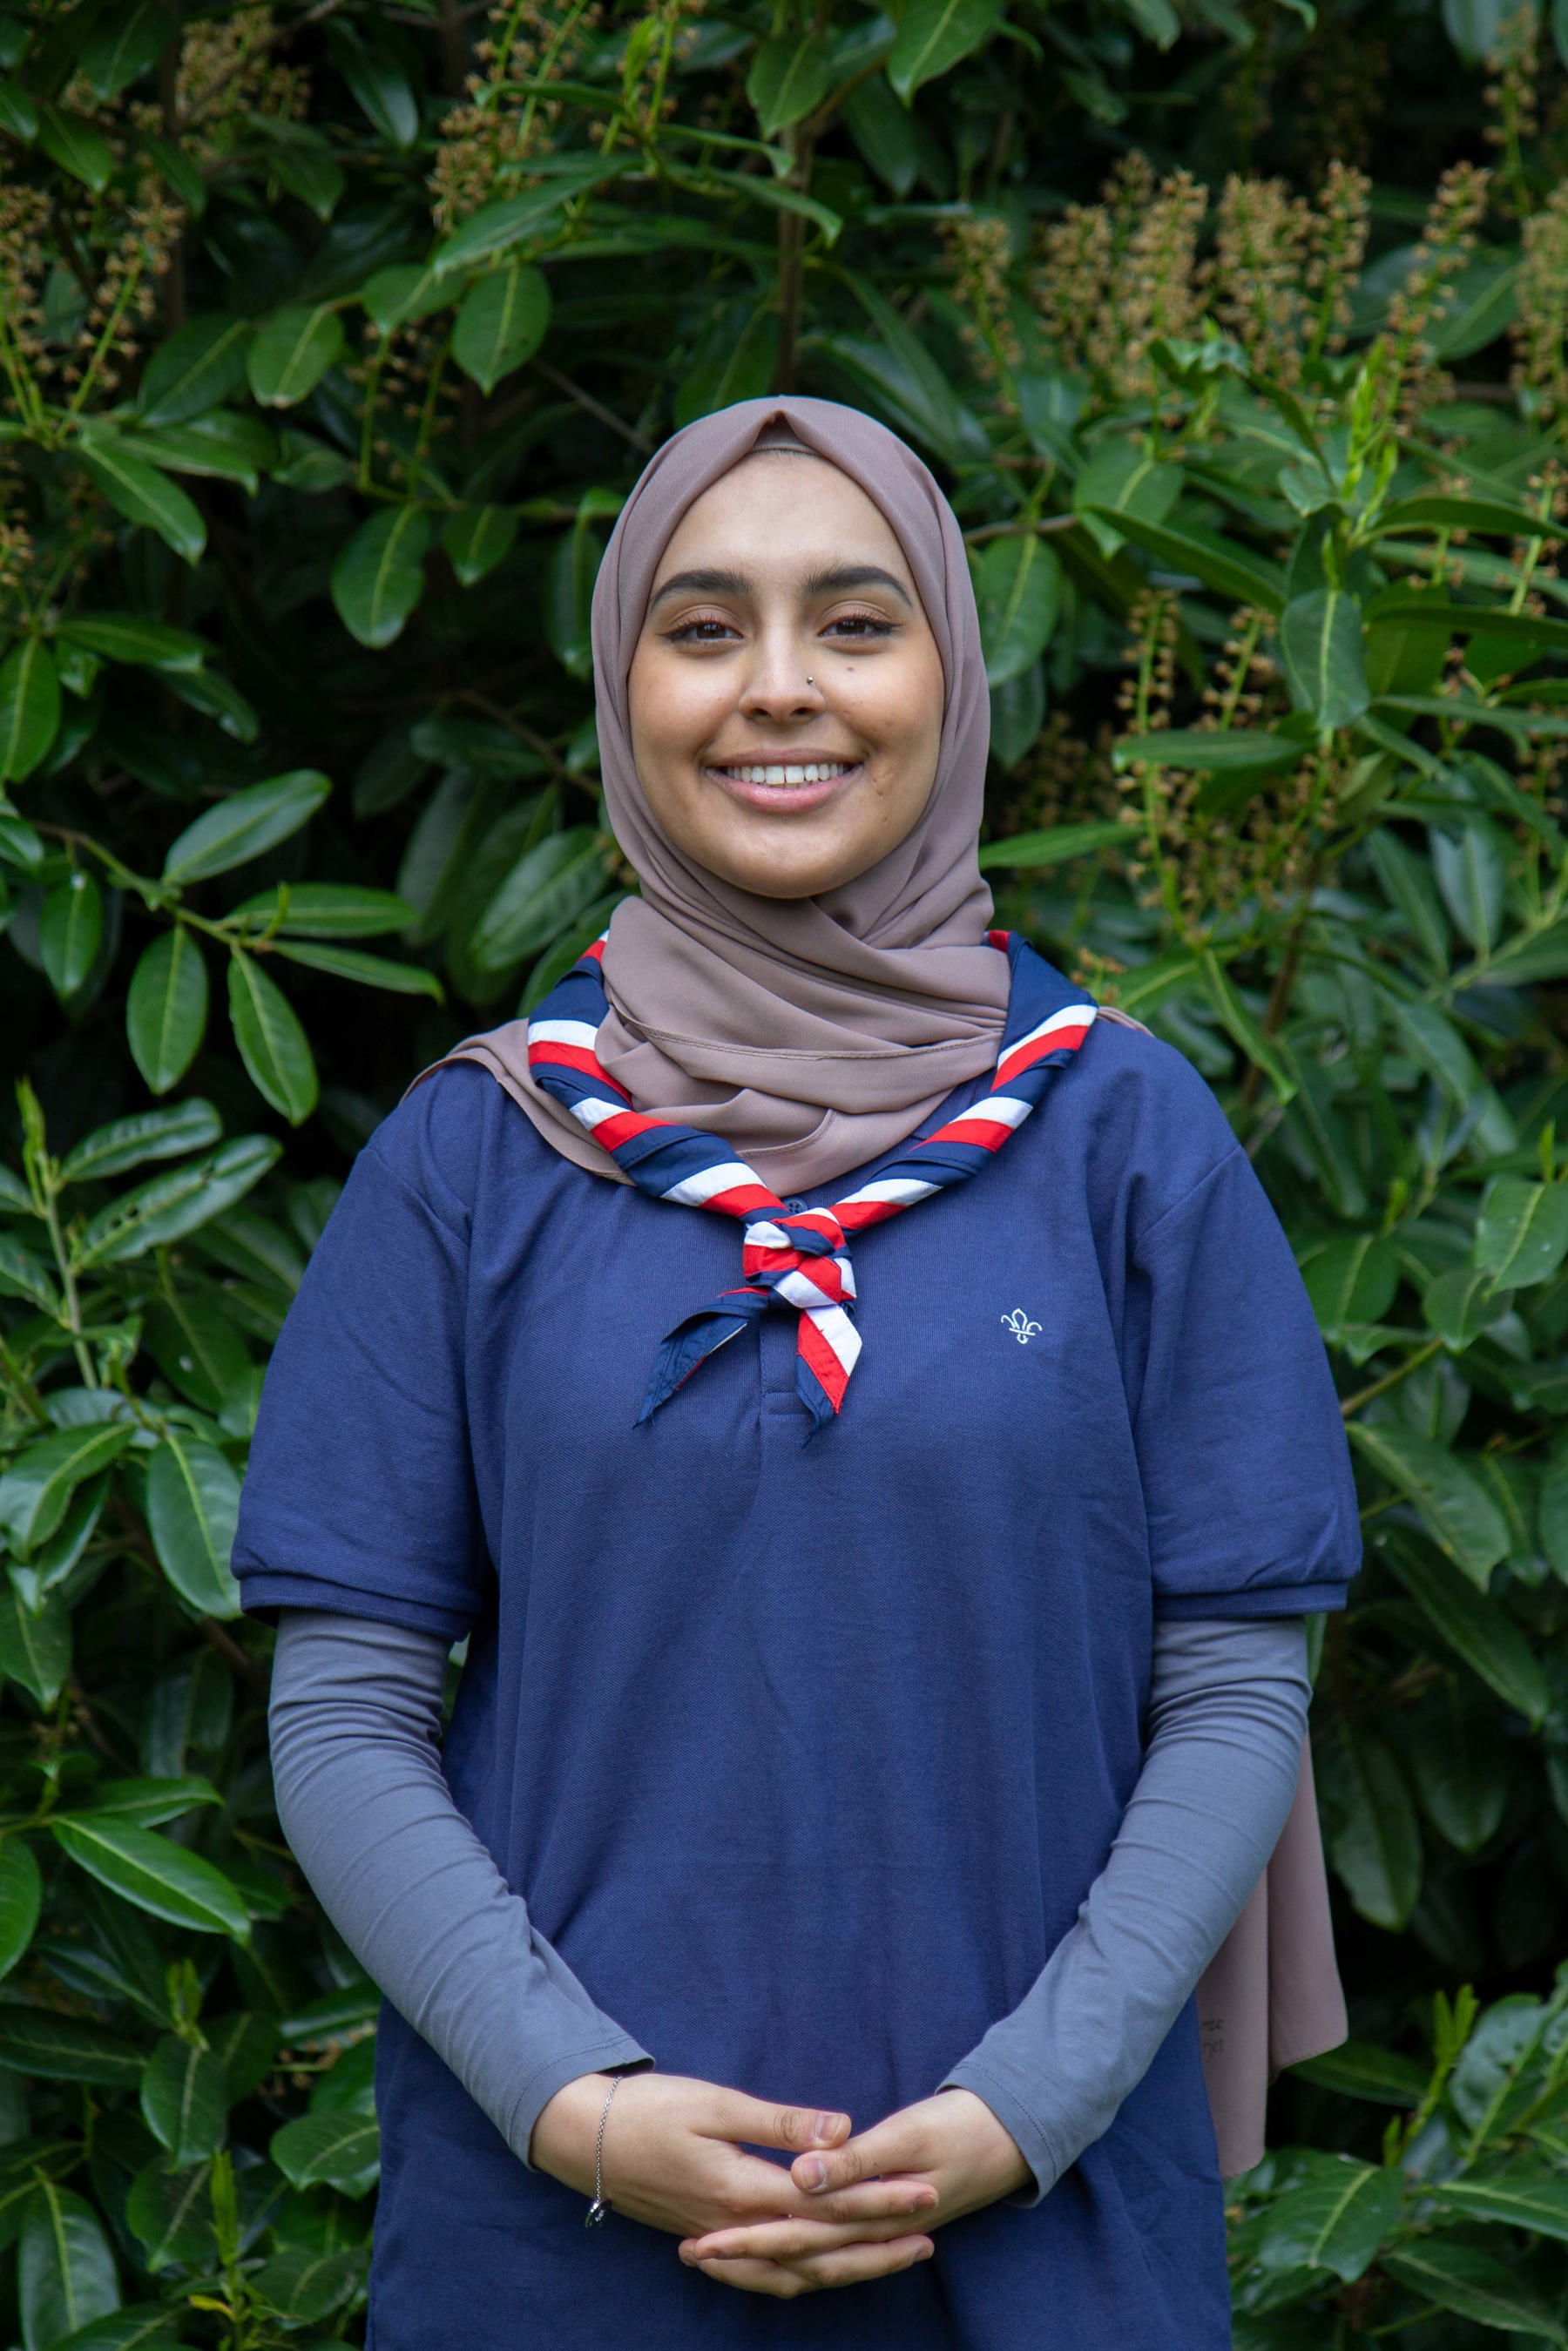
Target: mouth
[[792, 785]]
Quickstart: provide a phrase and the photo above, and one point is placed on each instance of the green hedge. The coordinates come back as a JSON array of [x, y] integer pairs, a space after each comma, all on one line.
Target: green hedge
[[329, 346]]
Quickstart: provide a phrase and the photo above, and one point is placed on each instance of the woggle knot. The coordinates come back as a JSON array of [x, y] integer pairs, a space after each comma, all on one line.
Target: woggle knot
[[802, 1259], [799, 1261]]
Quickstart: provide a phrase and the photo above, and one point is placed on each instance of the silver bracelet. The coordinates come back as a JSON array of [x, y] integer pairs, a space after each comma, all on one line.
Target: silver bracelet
[[600, 2205]]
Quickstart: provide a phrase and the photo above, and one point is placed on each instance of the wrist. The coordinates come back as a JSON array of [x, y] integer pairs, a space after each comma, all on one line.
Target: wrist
[[567, 2127]]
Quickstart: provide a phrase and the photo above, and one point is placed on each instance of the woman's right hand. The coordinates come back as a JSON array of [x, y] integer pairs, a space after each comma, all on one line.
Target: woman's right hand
[[673, 2158]]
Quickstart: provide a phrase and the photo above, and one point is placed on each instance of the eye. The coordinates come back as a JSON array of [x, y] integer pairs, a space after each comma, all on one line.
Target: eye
[[859, 628], [701, 629]]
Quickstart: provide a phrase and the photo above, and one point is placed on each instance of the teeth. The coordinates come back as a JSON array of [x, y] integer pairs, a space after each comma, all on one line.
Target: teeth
[[811, 773]]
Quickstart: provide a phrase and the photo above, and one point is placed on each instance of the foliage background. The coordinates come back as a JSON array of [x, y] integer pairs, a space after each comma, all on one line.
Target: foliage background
[[330, 339]]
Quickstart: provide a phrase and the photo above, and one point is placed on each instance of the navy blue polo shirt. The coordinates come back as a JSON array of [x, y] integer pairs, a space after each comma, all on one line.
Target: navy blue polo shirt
[[803, 1756]]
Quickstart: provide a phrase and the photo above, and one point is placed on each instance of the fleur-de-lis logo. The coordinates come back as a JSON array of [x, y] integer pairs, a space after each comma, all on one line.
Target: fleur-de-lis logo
[[1022, 1329]]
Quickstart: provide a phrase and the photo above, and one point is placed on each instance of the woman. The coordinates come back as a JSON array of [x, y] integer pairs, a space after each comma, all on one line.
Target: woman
[[876, 1714]]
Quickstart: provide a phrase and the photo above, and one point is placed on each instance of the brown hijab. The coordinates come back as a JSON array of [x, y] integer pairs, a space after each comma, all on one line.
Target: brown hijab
[[814, 1034]]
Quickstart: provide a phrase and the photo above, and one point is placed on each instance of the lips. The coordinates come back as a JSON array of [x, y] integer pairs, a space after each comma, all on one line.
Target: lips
[[790, 786]]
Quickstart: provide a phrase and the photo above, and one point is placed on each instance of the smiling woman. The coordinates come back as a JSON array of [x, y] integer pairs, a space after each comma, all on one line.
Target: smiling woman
[[886, 1673], [786, 715]]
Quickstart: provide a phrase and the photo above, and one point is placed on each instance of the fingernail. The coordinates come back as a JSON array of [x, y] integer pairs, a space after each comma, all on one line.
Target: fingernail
[[825, 2129], [926, 2256], [814, 2173]]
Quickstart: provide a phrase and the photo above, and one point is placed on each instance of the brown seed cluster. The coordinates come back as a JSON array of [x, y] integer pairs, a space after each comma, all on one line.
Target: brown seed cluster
[[1414, 378], [1116, 275], [1541, 324], [486, 143], [979, 253]]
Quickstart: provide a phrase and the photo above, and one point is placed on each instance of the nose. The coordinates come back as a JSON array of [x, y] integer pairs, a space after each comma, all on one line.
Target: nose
[[778, 686]]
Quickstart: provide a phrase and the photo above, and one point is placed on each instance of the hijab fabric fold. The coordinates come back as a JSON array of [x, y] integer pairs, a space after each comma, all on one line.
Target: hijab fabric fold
[[815, 1034]]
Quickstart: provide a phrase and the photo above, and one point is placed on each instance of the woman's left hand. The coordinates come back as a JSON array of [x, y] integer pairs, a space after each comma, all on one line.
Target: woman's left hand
[[952, 2140]]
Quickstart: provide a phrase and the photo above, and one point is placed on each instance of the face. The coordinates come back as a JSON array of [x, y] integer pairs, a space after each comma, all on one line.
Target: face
[[786, 691]]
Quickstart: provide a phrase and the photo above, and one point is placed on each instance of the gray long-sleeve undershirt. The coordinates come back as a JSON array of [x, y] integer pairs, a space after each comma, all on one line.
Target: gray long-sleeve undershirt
[[356, 1730]]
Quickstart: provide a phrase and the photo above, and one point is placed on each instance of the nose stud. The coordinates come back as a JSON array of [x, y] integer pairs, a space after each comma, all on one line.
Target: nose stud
[[809, 679]]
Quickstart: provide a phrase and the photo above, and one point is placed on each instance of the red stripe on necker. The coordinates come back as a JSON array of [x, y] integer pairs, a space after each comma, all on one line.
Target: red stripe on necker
[[821, 1360]]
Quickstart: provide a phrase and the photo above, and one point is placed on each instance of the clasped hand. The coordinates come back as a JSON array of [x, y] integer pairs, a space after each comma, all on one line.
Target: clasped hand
[[847, 2208]]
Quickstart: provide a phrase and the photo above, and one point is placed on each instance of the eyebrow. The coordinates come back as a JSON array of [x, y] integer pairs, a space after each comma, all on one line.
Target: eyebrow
[[835, 582]]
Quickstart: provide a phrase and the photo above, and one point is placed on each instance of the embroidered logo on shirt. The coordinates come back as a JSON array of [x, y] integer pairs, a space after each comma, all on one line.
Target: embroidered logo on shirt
[[1022, 1329]]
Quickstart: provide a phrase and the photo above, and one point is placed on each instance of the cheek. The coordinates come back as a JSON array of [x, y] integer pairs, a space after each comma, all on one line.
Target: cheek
[[673, 709]]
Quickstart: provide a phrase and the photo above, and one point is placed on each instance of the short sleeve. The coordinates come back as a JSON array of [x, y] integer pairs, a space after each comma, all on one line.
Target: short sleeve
[[359, 1498], [1250, 1501]]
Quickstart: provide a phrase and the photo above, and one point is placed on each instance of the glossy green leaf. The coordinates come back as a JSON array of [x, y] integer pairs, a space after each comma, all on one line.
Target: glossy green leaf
[[71, 929], [124, 43], [933, 34], [196, 369], [338, 2151], [1121, 484], [1062, 842], [1473, 2285], [1432, 511], [154, 1874], [179, 1202], [788, 78], [1481, 1633], [21, 1898], [1352, 1280], [379, 84], [34, 1644], [1321, 649], [1523, 2195], [193, 1508], [477, 538], [1362, 2069], [131, 637], [166, 1008], [29, 707], [326, 910], [1218, 563], [1521, 1236], [66, 2275], [69, 141], [1018, 586], [1245, 1031], [170, 2214], [18, 114], [1459, 1513], [1461, 1305], [184, 2101], [546, 889], [1337, 2220], [500, 226], [24, 1275], [227, 448], [1212, 751], [302, 2283], [1373, 1836], [149, 1802], [379, 576], [369, 970], [244, 826], [1471, 873], [272, 1042], [292, 351], [144, 496], [146, 1135], [395, 296], [501, 322], [55, 2048], [40, 1479]]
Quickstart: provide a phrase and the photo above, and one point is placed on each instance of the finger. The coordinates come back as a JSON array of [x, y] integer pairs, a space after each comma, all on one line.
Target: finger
[[877, 2199], [896, 2144], [787, 2240], [758, 2124], [851, 2266]]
